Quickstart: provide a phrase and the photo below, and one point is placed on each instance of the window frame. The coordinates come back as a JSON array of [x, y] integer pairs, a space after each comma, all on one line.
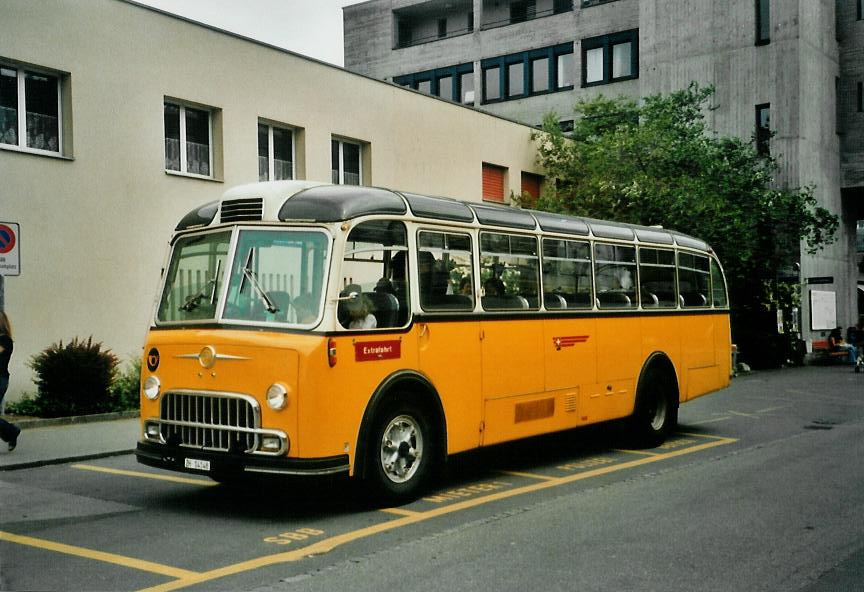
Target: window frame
[[472, 259], [608, 43], [763, 29], [271, 152], [590, 276], [184, 156], [341, 170], [633, 302], [531, 308], [21, 72], [762, 134], [434, 77], [552, 54]]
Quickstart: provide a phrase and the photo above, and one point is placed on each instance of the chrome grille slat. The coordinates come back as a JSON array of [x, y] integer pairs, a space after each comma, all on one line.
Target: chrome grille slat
[[209, 421]]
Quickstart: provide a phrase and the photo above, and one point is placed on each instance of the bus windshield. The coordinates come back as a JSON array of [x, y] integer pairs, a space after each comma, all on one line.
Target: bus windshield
[[276, 276]]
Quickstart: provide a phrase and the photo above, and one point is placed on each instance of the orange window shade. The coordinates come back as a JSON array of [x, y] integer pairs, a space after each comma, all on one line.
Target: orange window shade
[[531, 185], [493, 182]]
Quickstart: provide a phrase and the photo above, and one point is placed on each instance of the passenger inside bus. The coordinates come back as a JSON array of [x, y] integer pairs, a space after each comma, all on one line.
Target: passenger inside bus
[[355, 309]]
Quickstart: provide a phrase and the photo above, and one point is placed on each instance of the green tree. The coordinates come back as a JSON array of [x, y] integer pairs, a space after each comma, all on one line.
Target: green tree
[[655, 163]]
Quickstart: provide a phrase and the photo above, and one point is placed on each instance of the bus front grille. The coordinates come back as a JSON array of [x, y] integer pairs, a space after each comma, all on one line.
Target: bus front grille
[[210, 421], [238, 210]]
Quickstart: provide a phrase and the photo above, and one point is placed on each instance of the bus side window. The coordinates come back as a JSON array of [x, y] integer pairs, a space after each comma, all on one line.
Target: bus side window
[[566, 274], [718, 285], [657, 278], [510, 270], [615, 274], [374, 266], [445, 271], [693, 280]]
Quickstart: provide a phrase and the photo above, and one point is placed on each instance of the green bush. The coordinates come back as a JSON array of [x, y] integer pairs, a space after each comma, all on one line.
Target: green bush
[[126, 388], [74, 379]]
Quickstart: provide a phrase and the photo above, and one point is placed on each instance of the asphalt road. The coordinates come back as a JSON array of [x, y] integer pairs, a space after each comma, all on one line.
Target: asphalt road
[[761, 489]]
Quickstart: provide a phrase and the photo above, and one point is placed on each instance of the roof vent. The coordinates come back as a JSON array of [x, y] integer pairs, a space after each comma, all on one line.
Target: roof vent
[[236, 210]]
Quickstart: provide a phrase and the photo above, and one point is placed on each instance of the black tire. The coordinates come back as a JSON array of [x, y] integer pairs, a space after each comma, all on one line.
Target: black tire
[[400, 453], [656, 412]]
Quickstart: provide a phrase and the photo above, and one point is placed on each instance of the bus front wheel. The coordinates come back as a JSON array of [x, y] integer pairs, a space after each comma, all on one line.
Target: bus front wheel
[[656, 413], [400, 452]]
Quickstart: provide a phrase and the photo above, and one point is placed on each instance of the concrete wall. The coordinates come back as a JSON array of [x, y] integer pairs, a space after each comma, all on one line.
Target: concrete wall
[[95, 225]]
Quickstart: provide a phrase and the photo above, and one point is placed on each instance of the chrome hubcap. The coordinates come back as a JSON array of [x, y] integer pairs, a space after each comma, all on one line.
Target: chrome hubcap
[[658, 417], [401, 448]]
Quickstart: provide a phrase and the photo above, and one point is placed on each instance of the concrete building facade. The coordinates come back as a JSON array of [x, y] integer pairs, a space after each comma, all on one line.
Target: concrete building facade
[[794, 67], [117, 119]]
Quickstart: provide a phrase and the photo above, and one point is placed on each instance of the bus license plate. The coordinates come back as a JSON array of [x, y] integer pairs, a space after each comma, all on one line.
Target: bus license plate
[[198, 465]]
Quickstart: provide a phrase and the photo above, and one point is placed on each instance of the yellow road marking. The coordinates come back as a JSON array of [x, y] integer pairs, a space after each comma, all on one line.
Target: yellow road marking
[[642, 452], [171, 478], [528, 475], [327, 545], [157, 568], [399, 511]]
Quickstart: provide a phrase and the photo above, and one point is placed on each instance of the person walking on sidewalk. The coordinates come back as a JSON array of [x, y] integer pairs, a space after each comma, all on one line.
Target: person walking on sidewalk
[[8, 431]]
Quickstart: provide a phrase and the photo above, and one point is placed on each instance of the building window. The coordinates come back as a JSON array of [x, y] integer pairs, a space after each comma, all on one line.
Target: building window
[[559, 6], [30, 110], [493, 182], [491, 84], [859, 9], [531, 186], [610, 58], [763, 128], [275, 153], [466, 88], [515, 79], [188, 140], [522, 11], [453, 83], [860, 102], [345, 158], [471, 21], [442, 28], [540, 75], [763, 22], [528, 73]]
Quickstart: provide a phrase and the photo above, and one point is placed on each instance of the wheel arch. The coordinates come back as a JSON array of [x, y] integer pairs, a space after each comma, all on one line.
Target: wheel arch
[[660, 362], [410, 386]]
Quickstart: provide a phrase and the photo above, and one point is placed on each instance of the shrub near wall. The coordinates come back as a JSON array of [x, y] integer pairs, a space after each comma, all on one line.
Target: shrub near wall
[[74, 379]]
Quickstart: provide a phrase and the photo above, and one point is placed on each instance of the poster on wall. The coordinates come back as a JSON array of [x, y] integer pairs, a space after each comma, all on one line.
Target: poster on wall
[[823, 310]]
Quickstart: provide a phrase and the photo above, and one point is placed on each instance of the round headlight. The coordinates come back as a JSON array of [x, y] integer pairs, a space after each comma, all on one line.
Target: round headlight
[[277, 396], [151, 387]]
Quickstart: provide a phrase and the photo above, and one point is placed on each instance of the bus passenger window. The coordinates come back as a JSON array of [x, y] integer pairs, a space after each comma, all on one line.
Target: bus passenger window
[[615, 274], [510, 272], [693, 280], [445, 271], [374, 268], [566, 274], [657, 278], [718, 285]]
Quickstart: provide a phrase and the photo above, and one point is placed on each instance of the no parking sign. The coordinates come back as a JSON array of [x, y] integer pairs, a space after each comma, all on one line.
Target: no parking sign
[[10, 242]]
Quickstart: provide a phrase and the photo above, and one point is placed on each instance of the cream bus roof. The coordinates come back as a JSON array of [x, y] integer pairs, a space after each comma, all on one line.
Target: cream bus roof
[[308, 201]]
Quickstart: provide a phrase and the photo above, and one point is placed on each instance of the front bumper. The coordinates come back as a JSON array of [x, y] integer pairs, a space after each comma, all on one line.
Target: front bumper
[[173, 458]]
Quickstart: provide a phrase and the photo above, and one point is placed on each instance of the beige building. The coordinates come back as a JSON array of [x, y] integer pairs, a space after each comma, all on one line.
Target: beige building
[[117, 119]]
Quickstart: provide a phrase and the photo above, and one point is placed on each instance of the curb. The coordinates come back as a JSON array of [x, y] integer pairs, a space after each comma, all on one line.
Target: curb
[[32, 423], [58, 461]]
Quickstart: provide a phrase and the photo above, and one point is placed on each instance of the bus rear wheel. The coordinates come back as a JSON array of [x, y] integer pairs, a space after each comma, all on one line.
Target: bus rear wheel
[[656, 413], [400, 453]]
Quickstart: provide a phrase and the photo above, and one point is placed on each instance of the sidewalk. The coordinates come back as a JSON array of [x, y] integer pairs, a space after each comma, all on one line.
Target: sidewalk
[[45, 442]]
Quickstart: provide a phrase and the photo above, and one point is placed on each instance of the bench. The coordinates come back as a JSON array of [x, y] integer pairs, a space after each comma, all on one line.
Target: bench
[[821, 352]]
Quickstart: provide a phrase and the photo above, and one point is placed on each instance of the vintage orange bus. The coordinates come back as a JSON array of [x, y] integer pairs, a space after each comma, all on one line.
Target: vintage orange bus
[[311, 329]]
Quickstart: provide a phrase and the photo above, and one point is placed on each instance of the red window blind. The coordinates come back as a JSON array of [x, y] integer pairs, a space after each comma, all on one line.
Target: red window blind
[[531, 185], [493, 182]]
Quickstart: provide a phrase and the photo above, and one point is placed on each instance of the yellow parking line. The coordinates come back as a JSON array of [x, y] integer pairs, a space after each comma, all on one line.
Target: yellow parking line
[[327, 545], [528, 475], [157, 568], [399, 511], [141, 474], [642, 452]]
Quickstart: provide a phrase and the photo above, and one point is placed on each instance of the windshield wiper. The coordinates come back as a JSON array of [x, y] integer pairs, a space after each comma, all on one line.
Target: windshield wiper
[[248, 274], [193, 301]]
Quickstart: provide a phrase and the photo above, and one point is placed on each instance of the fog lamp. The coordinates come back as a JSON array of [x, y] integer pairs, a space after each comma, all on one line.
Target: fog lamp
[[151, 430], [270, 444]]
